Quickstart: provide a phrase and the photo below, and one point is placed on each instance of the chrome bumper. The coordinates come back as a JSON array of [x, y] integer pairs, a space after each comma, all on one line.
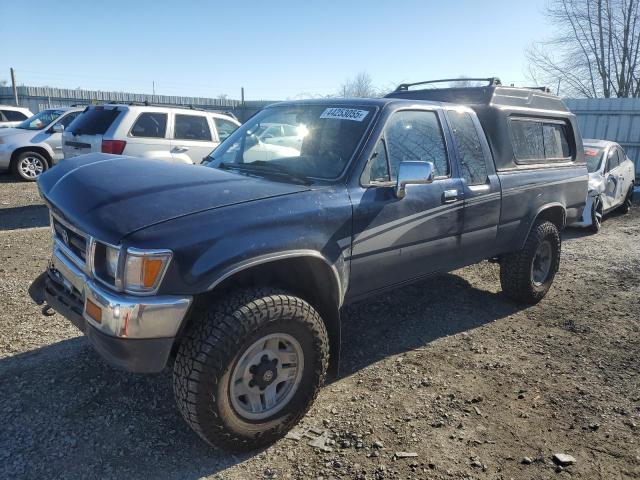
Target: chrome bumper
[[122, 316]]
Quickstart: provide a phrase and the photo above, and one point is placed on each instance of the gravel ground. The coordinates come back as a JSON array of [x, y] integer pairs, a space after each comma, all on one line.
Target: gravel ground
[[445, 379]]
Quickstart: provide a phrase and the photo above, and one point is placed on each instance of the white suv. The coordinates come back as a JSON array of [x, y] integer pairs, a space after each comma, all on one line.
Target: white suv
[[180, 135], [11, 116]]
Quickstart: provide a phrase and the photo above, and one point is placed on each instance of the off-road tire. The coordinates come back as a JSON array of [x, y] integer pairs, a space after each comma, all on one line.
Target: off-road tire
[[628, 200], [216, 339], [515, 268], [15, 165]]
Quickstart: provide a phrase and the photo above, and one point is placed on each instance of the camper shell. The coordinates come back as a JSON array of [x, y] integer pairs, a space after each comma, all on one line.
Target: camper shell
[[497, 105]]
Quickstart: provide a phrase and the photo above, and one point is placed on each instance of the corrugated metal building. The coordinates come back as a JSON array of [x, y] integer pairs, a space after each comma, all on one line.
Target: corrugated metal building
[[616, 119]]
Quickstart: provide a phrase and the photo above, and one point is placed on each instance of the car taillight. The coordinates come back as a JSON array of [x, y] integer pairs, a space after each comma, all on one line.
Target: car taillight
[[113, 146]]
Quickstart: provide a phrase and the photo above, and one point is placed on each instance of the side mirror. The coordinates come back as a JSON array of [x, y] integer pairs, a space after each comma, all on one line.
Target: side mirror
[[57, 128], [413, 173]]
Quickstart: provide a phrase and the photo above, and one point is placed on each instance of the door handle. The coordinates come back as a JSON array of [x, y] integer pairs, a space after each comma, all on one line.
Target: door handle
[[450, 196], [180, 149]]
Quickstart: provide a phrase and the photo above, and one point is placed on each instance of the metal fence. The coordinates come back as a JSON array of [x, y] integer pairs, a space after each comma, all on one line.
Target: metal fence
[[616, 119], [39, 98]]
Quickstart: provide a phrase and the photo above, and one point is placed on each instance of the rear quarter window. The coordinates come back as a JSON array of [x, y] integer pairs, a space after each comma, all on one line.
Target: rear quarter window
[[13, 116], [94, 121], [150, 125]]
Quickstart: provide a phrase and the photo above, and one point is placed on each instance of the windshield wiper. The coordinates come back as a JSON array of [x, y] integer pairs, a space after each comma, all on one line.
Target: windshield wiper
[[264, 167]]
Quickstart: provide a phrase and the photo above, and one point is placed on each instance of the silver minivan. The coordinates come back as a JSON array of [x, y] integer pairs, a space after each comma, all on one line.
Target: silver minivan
[[180, 135]]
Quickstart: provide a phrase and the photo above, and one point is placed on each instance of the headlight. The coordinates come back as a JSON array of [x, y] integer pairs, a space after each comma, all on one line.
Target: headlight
[[144, 269], [111, 261], [140, 271]]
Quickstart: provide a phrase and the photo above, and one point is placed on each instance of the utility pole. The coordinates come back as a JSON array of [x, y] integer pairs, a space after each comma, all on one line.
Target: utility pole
[[13, 84], [558, 89], [242, 96], [154, 86]]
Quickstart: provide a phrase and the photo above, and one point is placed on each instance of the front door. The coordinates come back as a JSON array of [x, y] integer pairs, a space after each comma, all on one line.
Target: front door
[[396, 240], [612, 188]]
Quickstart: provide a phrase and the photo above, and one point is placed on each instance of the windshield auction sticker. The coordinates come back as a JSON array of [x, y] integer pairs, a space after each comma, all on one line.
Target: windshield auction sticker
[[345, 114]]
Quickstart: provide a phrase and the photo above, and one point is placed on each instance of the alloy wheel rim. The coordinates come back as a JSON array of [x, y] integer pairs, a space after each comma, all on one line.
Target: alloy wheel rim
[[541, 265], [31, 167], [266, 376], [597, 212]]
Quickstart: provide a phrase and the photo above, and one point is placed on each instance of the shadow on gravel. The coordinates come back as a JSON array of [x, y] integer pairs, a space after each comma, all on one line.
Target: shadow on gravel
[[31, 216], [64, 413], [7, 177], [413, 316]]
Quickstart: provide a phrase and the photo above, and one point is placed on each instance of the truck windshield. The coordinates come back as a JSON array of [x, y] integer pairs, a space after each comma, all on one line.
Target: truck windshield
[[40, 120], [593, 156], [311, 141]]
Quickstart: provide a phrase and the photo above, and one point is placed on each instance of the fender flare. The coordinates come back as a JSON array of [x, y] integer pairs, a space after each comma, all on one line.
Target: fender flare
[[271, 257]]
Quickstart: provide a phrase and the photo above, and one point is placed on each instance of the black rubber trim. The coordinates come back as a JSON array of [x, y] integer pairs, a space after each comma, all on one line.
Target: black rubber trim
[[148, 355]]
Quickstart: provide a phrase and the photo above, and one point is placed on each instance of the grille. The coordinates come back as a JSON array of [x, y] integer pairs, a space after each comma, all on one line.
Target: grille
[[73, 240]]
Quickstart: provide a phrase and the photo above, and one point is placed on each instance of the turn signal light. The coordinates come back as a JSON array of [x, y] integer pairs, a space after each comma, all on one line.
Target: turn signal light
[[151, 268], [113, 146], [94, 311]]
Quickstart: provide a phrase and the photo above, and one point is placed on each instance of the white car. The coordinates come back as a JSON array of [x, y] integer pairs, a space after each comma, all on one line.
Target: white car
[[11, 116], [281, 134], [35, 144], [179, 135], [611, 181]]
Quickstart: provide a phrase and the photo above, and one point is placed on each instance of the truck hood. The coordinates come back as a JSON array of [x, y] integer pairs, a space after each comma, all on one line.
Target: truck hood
[[111, 196]]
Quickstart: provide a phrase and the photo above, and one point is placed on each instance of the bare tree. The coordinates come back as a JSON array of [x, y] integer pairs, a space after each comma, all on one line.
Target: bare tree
[[595, 51], [465, 82], [4, 82], [359, 86]]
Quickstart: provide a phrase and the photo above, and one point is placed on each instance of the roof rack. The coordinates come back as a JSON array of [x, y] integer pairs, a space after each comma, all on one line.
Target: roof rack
[[491, 81]]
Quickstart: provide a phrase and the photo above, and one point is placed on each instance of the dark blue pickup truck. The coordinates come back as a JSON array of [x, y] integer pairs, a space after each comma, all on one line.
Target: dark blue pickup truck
[[238, 270]]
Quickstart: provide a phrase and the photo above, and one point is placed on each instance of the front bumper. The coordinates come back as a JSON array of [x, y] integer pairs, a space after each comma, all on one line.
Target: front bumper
[[586, 219], [133, 333]]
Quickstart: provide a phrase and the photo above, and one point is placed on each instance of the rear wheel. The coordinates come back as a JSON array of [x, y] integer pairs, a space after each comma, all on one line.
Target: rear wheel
[[249, 368], [527, 275], [29, 165], [628, 200], [597, 212]]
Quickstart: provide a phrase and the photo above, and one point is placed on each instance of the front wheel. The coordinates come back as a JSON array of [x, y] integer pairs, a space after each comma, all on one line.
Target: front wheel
[[249, 367], [527, 275], [597, 213], [29, 165]]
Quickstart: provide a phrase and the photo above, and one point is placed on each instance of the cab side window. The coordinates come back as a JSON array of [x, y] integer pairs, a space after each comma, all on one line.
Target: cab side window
[[416, 136], [465, 134]]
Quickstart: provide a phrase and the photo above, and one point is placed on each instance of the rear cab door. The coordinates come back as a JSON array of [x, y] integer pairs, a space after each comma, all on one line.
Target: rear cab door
[[85, 134], [480, 185], [193, 137]]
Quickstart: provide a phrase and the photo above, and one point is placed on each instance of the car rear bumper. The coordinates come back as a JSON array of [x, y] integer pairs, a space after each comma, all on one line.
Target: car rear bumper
[[155, 320]]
